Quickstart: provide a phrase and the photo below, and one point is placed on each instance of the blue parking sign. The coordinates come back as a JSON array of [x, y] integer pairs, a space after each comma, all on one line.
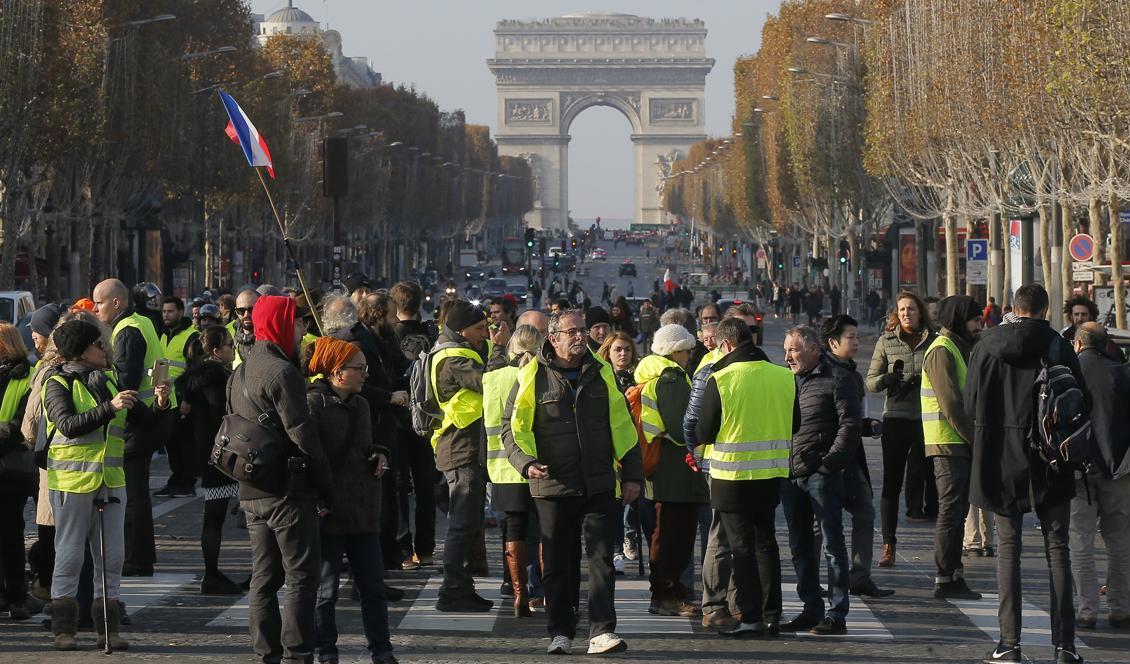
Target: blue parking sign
[[977, 250]]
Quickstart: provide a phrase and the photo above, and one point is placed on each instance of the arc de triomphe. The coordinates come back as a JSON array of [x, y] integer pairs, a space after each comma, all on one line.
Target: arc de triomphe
[[548, 72]]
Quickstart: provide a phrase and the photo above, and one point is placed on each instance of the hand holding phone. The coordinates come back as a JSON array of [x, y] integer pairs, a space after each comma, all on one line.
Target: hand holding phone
[[160, 371]]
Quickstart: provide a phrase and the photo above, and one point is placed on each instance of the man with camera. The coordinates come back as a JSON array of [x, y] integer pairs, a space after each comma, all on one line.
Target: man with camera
[[282, 518]]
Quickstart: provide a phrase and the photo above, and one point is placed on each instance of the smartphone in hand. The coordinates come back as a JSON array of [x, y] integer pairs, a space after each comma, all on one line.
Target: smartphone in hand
[[160, 371]]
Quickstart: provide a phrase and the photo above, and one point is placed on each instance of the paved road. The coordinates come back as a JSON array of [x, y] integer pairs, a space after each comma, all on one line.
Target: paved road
[[172, 622]]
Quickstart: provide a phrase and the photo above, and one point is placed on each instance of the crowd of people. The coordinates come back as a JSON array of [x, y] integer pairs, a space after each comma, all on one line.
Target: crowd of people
[[596, 432]]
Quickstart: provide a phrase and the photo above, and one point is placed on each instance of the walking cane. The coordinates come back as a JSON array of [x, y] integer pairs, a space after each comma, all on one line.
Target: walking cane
[[639, 537], [100, 505]]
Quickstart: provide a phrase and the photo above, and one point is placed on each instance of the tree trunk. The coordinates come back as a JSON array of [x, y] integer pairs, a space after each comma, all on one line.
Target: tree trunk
[[8, 224], [1006, 274], [1046, 244], [1068, 225], [949, 225], [1095, 219], [1115, 206], [996, 260]]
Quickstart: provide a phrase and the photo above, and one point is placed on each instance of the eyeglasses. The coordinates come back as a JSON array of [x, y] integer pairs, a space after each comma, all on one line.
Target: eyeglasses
[[574, 332], [363, 368], [243, 311]]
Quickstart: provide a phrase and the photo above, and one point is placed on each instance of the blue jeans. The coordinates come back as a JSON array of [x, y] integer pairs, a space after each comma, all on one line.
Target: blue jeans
[[819, 497], [365, 561]]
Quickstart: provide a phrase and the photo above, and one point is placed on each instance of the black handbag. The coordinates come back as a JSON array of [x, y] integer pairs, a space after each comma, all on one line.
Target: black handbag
[[17, 466], [251, 452]]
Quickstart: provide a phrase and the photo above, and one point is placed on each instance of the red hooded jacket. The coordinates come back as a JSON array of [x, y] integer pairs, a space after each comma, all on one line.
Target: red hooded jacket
[[273, 317]]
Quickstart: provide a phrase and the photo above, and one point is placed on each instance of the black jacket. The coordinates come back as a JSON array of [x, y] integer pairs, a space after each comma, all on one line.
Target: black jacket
[[860, 459], [1008, 476], [59, 404], [456, 447], [386, 375], [129, 354], [344, 428], [1109, 383], [572, 432], [204, 387], [274, 384], [830, 426]]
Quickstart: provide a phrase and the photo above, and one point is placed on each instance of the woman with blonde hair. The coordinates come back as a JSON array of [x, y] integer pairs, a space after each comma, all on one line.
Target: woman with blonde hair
[[896, 368], [14, 489], [619, 350], [510, 492]]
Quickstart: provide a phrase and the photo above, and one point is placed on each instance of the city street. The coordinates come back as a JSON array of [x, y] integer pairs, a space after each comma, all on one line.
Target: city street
[[173, 622]]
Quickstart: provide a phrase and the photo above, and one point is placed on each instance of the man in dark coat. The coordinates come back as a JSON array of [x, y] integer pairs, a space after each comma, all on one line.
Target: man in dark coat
[[1104, 497], [1009, 478]]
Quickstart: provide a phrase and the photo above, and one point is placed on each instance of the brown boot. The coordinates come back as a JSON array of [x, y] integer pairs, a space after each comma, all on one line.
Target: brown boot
[[115, 619], [64, 622], [888, 558], [516, 559]]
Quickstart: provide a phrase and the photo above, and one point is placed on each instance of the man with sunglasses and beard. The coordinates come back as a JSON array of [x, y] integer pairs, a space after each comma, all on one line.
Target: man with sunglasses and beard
[[241, 327]]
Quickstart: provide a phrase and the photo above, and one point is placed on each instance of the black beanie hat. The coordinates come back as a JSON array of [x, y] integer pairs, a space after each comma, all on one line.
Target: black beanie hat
[[43, 319], [596, 316], [73, 337], [462, 315]]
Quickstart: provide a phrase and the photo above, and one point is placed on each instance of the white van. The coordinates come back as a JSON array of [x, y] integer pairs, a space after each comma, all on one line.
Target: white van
[[14, 305]]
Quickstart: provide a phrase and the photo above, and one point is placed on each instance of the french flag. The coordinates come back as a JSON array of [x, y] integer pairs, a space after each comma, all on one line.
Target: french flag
[[241, 131], [668, 283]]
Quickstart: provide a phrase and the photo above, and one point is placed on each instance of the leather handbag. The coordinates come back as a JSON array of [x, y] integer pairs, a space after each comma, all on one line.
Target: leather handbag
[[251, 452]]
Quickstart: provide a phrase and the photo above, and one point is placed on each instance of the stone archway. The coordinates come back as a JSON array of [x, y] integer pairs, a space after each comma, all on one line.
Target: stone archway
[[548, 72]]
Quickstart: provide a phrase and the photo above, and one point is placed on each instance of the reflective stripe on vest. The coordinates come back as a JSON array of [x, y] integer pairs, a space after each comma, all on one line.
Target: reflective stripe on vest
[[936, 430], [648, 372], [752, 443], [84, 463], [465, 407], [620, 423], [13, 394], [154, 350], [174, 350], [496, 388]]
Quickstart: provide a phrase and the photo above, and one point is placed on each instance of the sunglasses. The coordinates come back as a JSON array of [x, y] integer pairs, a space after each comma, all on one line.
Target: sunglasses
[[243, 311]]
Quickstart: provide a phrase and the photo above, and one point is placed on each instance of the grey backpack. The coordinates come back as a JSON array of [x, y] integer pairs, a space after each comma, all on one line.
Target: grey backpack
[[426, 413]]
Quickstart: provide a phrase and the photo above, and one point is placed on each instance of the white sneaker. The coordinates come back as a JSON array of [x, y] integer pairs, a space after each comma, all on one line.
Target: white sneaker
[[607, 643], [560, 645], [618, 563]]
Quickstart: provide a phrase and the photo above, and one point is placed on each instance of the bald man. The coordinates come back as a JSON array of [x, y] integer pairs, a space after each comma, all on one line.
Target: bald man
[[242, 329], [537, 319], [135, 347]]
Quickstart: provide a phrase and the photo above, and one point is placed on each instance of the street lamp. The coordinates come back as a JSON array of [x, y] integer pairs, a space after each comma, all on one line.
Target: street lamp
[[826, 42], [156, 19], [218, 51], [319, 118], [847, 17]]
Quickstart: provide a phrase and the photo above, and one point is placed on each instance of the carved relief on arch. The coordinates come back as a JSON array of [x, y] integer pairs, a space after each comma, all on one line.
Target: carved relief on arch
[[529, 111], [628, 103]]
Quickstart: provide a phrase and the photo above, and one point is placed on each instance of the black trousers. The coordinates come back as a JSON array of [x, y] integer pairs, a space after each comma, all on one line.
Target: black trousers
[[141, 549], [755, 560], [564, 521], [904, 455], [1054, 524], [181, 448], [416, 475], [12, 553]]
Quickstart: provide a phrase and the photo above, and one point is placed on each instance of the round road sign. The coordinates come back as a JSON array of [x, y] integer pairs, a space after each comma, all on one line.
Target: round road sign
[[1082, 247]]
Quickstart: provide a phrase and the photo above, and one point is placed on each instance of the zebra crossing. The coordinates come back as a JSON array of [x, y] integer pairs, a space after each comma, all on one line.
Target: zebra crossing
[[165, 591]]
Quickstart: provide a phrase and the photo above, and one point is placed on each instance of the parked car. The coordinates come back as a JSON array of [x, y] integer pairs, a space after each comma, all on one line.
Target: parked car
[[757, 330], [14, 305], [627, 268]]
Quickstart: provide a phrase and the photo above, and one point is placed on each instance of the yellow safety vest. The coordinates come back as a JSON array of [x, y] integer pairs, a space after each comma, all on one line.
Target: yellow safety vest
[[13, 394], [174, 350], [308, 339], [84, 463], [525, 403], [647, 374], [238, 355], [154, 350], [936, 430], [465, 407], [496, 388], [710, 358], [753, 442]]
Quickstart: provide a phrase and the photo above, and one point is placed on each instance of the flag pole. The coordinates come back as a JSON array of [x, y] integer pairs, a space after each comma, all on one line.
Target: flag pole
[[290, 252]]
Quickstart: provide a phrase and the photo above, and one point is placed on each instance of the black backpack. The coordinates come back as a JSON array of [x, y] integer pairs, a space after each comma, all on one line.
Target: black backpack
[[1061, 432]]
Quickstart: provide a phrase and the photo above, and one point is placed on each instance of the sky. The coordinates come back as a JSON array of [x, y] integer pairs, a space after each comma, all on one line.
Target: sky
[[441, 47]]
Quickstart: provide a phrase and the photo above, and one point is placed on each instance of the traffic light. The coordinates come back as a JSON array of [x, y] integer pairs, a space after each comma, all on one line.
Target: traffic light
[[529, 238], [844, 253], [573, 243], [734, 248]]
